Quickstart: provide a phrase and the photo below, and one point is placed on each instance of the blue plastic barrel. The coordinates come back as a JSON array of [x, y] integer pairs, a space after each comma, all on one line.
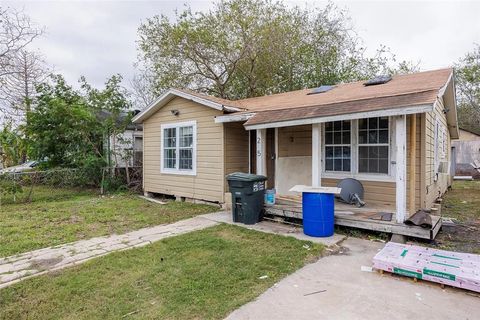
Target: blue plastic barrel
[[318, 214]]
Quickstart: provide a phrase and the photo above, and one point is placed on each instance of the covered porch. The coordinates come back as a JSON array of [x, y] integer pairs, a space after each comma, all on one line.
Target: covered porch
[[371, 217], [384, 152]]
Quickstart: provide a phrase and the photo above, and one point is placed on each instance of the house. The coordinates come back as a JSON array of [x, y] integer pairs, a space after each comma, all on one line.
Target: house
[[124, 149], [392, 134], [466, 154]]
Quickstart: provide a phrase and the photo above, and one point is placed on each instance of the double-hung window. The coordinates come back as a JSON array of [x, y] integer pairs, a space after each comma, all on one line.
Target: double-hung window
[[357, 147], [338, 146], [373, 145], [178, 148]]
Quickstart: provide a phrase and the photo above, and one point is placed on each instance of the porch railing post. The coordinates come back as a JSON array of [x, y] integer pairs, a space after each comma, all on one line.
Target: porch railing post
[[316, 155], [401, 168], [261, 152]]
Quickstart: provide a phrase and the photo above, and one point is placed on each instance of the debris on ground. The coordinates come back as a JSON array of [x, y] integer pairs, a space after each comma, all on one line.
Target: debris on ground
[[315, 292], [263, 277], [366, 269]]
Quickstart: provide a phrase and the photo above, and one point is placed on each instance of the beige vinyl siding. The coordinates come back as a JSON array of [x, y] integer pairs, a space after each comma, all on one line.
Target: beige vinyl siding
[[376, 193], [208, 183], [295, 141], [434, 189], [236, 148]]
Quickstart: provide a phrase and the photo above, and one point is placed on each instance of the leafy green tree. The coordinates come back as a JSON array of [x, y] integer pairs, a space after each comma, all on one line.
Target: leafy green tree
[[468, 90], [62, 128], [247, 48], [13, 146], [110, 105], [68, 127]]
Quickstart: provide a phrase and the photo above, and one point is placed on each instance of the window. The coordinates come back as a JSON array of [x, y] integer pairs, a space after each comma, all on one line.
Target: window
[[179, 148], [440, 147], [338, 146], [170, 148], [373, 145]]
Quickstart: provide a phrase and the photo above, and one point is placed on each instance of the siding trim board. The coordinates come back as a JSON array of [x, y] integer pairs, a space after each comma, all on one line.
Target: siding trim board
[[172, 94]]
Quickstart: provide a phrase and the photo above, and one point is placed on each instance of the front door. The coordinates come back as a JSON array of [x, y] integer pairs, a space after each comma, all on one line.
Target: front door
[[271, 156]]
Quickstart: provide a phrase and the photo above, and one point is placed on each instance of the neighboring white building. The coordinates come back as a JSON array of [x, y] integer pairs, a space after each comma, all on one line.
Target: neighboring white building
[[126, 148], [466, 154]]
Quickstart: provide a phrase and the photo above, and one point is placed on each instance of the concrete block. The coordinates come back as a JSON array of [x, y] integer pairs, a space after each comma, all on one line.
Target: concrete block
[[398, 238]]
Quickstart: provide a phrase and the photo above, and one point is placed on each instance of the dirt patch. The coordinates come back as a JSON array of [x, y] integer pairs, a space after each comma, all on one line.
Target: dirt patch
[[44, 264], [462, 206], [335, 250], [463, 237]]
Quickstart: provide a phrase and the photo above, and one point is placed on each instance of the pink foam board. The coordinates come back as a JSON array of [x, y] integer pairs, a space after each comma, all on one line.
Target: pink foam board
[[455, 269]]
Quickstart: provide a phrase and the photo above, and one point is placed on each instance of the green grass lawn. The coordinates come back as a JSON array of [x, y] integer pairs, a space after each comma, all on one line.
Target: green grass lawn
[[463, 201], [201, 275], [57, 216]]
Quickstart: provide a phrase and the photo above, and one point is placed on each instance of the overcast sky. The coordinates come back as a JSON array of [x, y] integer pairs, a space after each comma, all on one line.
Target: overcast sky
[[97, 38]]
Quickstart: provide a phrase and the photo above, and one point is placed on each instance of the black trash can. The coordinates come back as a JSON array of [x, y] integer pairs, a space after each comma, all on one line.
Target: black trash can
[[248, 193]]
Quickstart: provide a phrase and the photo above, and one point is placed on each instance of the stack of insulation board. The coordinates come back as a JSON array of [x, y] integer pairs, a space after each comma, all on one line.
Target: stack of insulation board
[[450, 268]]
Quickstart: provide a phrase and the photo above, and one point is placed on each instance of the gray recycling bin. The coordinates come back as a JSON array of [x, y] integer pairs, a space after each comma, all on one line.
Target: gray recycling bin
[[248, 193]]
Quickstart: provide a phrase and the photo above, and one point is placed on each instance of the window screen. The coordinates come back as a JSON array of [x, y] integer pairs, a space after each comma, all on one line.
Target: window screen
[[178, 148], [373, 145], [186, 148], [170, 148], [337, 146]]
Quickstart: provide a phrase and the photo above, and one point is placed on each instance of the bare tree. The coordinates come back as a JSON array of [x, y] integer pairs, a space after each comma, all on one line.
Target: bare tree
[[18, 87], [142, 91], [16, 32]]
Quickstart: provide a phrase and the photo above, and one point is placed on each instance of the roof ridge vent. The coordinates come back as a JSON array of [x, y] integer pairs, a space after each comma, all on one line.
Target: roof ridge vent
[[321, 89], [380, 79]]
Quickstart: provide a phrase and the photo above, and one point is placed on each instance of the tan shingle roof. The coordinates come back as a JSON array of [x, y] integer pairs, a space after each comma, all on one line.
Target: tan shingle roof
[[419, 88], [347, 107], [399, 85]]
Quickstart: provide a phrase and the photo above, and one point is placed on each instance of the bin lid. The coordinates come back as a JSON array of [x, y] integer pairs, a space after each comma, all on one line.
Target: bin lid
[[249, 177]]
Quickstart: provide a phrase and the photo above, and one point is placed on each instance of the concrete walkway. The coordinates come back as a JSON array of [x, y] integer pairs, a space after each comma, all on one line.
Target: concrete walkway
[[34, 263], [19, 267], [335, 287], [275, 228]]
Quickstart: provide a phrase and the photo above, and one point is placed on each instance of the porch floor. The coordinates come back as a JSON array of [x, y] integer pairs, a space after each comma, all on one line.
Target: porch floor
[[352, 216]]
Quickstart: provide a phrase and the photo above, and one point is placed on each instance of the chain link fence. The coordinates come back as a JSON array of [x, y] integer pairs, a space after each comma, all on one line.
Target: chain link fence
[[23, 187]]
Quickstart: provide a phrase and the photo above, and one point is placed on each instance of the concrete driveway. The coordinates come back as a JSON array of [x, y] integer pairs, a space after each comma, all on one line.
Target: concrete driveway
[[351, 293]]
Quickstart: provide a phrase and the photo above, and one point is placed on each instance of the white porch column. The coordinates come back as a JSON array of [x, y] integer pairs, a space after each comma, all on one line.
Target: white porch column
[[261, 152], [316, 155], [401, 167]]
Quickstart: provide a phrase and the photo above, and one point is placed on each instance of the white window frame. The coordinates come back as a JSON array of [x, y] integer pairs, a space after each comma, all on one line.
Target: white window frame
[[381, 177], [388, 144], [176, 170], [440, 145], [337, 145]]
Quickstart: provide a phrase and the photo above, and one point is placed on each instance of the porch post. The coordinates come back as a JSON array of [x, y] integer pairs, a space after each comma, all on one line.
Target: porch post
[[316, 155], [401, 167], [261, 152]]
